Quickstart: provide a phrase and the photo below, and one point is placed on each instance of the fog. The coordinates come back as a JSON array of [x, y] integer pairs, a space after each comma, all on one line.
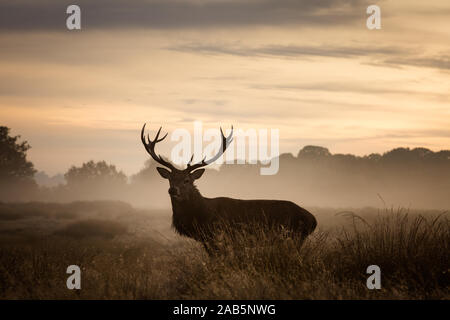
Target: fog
[[417, 178], [401, 178]]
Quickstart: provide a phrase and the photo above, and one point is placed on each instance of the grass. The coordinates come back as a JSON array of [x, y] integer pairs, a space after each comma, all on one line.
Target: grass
[[92, 228], [126, 253]]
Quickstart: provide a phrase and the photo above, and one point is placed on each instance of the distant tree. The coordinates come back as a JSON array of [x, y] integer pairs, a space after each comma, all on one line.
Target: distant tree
[[13, 159], [313, 152], [373, 157], [96, 175], [43, 179], [147, 174], [442, 156]]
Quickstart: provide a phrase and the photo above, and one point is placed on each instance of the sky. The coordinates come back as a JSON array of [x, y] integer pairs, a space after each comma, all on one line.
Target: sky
[[309, 68]]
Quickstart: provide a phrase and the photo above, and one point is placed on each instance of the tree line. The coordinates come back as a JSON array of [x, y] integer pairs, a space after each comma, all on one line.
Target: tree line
[[415, 177]]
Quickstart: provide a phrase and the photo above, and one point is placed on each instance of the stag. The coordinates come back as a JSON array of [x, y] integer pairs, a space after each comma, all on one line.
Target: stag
[[196, 216]]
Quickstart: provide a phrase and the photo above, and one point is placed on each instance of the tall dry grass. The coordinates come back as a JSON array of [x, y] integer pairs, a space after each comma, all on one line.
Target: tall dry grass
[[411, 250]]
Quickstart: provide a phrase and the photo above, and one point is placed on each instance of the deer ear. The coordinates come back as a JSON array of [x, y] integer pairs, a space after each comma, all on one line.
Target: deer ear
[[163, 172], [197, 174]]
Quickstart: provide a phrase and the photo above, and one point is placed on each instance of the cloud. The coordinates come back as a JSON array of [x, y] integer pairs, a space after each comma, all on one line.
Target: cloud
[[32, 15], [441, 62], [386, 56], [286, 51], [350, 87]]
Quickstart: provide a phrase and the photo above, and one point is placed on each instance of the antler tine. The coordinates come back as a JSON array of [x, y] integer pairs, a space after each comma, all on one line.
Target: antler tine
[[162, 138], [190, 161], [157, 134], [143, 134], [225, 143], [150, 147], [229, 138]]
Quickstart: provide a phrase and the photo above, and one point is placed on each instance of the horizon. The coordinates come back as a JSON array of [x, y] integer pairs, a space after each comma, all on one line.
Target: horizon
[[217, 167]]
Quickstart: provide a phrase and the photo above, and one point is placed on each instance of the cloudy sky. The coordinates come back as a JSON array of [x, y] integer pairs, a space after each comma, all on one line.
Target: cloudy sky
[[309, 68]]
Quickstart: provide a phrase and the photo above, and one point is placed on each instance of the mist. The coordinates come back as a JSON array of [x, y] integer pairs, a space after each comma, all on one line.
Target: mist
[[401, 178]]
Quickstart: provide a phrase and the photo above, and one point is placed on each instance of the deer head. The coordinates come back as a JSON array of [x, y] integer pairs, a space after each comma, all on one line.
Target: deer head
[[181, 181]]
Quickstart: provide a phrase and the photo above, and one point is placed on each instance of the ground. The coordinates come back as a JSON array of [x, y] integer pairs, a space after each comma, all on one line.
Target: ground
[[130, 253]]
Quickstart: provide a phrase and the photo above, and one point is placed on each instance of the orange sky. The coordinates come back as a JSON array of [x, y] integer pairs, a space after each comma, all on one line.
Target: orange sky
[[323, 79]]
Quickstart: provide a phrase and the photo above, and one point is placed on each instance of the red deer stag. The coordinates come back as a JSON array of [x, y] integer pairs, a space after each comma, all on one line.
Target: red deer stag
[[196, 217]]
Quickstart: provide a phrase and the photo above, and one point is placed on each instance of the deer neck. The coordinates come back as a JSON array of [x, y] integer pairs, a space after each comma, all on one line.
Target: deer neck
[[192, 207], [189, 213]]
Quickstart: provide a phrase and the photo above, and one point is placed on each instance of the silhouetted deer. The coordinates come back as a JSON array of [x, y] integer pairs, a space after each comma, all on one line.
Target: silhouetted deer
[[195, 216]]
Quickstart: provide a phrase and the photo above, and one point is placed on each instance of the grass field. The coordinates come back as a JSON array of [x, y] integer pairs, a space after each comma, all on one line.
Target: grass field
[[129, 253]]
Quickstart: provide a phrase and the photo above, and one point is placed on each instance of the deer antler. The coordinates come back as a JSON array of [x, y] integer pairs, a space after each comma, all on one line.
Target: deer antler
[[225, 143], [150, 147]]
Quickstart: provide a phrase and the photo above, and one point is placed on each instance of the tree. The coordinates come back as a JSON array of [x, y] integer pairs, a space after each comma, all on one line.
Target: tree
[[313, 152], [14, 166], [95, 176], [16, 173], [146, 175]]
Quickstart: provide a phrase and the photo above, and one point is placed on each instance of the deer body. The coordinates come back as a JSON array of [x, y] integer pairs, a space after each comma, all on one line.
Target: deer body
[[196, 217], [202, 214]]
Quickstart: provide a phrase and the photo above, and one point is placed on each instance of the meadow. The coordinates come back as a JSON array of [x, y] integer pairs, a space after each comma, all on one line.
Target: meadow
[[132, 253]]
